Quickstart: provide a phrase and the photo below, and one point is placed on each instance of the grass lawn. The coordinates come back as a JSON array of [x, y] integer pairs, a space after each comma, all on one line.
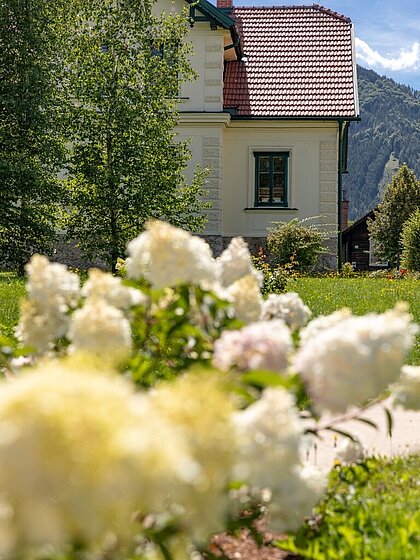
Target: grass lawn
[[11, 291], [361, 295], [371, 512]]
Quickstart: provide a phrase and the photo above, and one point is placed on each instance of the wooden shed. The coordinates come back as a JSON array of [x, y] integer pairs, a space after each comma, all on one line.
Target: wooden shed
[[357, 246]]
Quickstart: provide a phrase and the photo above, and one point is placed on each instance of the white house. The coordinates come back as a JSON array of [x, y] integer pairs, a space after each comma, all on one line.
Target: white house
[[269, 112]]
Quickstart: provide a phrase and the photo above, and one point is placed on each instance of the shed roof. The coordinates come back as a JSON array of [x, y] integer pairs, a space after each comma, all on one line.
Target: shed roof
[[300, 63]]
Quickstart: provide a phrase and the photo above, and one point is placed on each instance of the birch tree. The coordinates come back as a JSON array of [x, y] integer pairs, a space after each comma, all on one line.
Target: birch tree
[[124, 67]]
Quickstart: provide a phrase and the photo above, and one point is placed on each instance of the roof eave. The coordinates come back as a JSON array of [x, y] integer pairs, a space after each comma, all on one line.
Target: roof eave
[[355, 86], [292, 117], [222, 19]]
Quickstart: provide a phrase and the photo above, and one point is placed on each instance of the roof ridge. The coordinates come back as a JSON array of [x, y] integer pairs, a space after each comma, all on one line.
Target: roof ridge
[[292, 7], [331, 13]]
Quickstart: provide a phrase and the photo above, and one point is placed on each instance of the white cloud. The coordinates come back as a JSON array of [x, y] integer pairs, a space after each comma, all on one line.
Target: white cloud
[[408, 60]]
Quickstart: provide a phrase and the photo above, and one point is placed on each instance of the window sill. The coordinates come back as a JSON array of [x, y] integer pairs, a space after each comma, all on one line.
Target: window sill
[[270, 209]]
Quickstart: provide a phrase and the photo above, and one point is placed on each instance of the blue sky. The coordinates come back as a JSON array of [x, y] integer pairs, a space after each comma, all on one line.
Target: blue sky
[[387, 33]]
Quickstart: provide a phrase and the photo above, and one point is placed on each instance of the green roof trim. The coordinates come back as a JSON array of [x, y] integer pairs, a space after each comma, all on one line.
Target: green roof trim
[[213, 12]]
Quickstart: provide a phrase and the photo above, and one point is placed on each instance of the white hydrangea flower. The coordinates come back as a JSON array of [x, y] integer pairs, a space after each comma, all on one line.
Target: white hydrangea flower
[[52, 291], [234, 263], [100, 328], [246, 298], [351, 361], [51, 284], [406, 392], [350, 452], [261, 345], [110, 288], [288, 307], [268, 437], [294, 497], [323, 322], [168, 256], [39, 327], [71, 456]]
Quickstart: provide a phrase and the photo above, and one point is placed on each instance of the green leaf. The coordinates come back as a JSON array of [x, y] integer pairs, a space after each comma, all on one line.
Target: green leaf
[[264, 379], [389, 421], [342, 433], [368, 422]]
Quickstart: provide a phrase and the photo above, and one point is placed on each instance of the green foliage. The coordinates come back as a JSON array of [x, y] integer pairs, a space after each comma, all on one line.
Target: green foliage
[[401, 199], [31, 150], [295, 242], [124, 68], [387, 135], [370, 513], [410, 240], [175, 330]]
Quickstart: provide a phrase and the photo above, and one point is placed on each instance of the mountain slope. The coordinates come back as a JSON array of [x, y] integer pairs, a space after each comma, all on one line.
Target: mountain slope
[[387, 136]]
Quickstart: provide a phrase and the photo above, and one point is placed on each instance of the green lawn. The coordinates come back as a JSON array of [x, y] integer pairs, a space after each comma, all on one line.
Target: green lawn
[[361, 295], [322, 295], [370, 512], [11, 291]]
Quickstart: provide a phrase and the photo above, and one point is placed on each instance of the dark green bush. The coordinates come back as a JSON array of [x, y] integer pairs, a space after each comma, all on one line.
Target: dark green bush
[[295, 242]]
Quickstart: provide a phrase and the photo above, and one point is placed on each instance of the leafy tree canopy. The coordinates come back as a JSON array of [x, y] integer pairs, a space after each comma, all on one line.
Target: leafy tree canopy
[[401, 199], [31, 149], [124, 67]]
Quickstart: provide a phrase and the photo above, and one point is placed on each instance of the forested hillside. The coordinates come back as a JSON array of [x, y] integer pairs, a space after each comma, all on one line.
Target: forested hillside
[[387, 136]]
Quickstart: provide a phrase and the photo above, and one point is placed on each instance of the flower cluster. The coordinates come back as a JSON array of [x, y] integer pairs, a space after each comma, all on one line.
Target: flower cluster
[[246, 298], [168, 256], [100, 328], [350, 361], [111, 290], [269, 434], [52, 291], [288, 307], [69, 469], [234, 263], [81, 451], [262, 345]]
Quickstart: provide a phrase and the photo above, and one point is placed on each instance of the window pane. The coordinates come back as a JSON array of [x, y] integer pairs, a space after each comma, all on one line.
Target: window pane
[[263, 187], [278, 187], [278, 164], [264, 163]]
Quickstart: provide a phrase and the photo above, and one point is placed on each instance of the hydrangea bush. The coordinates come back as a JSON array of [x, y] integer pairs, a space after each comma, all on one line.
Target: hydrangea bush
[[141, 415]]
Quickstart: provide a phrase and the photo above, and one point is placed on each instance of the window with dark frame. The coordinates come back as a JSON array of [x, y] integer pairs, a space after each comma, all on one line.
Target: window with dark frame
[[271, 178]]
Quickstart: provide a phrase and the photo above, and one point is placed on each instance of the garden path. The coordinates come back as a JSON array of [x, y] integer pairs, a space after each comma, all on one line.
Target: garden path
[[405, 435]]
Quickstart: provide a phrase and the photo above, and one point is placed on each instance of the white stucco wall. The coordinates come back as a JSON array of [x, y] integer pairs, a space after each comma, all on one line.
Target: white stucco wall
[[206, 92], [312, 181], [205, 132], [226, 147]]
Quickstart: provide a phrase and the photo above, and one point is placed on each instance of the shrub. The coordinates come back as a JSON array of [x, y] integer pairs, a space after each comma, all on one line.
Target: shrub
[[410, 240], [295, 242], [275, 280], [347, 270]]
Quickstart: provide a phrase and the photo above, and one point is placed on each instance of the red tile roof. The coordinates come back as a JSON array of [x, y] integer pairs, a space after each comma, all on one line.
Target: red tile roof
[[300, 64]]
